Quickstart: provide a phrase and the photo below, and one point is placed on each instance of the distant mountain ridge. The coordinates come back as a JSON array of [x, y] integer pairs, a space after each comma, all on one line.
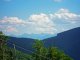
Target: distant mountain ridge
[[68, 41], [37, 36]]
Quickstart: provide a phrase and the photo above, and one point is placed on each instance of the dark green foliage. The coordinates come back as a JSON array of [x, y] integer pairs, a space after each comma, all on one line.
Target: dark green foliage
[[22, 56], [40, 50], [56, 54], [3, 50]]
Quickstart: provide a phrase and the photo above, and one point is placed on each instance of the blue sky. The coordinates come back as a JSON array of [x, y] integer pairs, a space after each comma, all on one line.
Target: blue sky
[[42, 17], [23, 8]]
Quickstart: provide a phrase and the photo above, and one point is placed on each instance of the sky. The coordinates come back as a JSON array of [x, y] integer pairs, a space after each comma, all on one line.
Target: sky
[[38, 18]]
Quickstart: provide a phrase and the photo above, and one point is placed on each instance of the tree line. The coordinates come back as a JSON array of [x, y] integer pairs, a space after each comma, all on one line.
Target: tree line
[[40, 52]]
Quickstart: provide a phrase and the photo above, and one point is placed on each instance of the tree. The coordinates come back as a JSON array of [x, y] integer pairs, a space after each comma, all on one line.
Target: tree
[[23, 56], [56, 54], [64, 57], [5, 52], [3, 40], [40, 50]]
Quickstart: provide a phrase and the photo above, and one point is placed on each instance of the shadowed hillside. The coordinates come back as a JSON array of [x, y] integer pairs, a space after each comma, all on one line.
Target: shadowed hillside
[[68, 41], [22, 42]]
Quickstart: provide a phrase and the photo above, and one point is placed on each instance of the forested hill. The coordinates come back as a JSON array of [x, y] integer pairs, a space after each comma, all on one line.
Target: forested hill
[[68, 41], [22, 42]]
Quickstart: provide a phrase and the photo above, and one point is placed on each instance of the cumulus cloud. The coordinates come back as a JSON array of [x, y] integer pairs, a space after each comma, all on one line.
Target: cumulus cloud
[[12, 20], [10, 25], [41, 20], [35, 24], [11, 29], [40, 23], [65, 15]]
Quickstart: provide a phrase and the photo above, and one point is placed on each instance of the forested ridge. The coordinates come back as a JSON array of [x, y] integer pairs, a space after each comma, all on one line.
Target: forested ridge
[[40, 51]]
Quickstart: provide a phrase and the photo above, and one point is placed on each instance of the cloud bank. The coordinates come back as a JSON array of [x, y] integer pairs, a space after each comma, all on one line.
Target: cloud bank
[[41, 23]]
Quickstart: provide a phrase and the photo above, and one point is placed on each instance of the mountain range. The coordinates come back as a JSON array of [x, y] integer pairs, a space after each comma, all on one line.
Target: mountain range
[[68, 41], [34, 36]]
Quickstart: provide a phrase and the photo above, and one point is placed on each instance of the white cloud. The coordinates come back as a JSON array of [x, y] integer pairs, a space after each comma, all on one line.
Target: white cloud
[[12, 20], [11, 29], [65, 15], [10, 25], [41, 20], [36, 24], [40, 23]]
